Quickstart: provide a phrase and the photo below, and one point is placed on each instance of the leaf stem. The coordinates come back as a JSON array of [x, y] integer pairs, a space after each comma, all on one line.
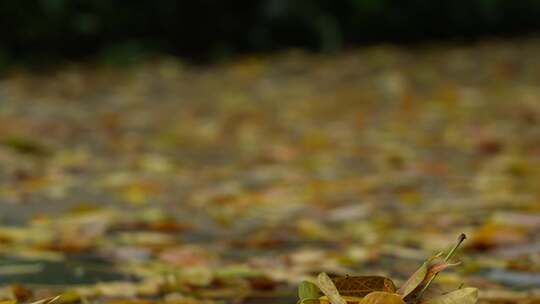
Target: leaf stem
[[461, 238]]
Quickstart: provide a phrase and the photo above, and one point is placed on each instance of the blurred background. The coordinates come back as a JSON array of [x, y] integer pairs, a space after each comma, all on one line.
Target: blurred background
[[220, 152], [53, 30]]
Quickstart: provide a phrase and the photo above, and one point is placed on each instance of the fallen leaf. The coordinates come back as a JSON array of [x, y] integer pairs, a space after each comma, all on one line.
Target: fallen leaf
[[494, 235], [381, 297], [185, 256], [349, 300], [131, 301], [439, 266], [25, 146], [360, 286], [414, 280], [46, 300], [467, 295], [418, 277], [307, 290], [262, 283], [329, 289], [21, 293]]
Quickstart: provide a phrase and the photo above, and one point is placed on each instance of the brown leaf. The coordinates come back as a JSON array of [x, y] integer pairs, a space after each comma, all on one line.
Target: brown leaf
[[419, 277], [360, 286], [262, 283], [439, 266], [414, 280], [20, 292], [493, 235]]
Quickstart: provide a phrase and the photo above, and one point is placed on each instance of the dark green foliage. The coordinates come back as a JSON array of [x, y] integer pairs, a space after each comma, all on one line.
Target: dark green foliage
[[34, 30]]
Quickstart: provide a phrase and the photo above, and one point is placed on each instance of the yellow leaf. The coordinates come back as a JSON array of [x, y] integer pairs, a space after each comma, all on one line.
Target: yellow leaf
[[329, 289], [381, 297], [467, 295], [349, 300], [49, 300]]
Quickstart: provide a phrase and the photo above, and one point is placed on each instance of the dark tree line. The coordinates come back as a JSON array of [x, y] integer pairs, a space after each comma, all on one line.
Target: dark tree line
[[43, 30]]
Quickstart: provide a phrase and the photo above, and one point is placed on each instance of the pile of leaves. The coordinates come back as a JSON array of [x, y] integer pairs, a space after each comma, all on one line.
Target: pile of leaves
[[232, 183], [381, 290]]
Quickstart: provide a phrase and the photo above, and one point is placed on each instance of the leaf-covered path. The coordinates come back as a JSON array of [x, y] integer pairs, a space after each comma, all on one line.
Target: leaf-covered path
[[166, 182]]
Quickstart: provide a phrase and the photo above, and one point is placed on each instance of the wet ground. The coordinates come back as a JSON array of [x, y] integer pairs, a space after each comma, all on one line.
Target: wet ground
[[164, 181]]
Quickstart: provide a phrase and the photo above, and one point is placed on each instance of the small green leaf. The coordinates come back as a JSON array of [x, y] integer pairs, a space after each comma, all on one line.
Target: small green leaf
[[467, 295], [308, 290]]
